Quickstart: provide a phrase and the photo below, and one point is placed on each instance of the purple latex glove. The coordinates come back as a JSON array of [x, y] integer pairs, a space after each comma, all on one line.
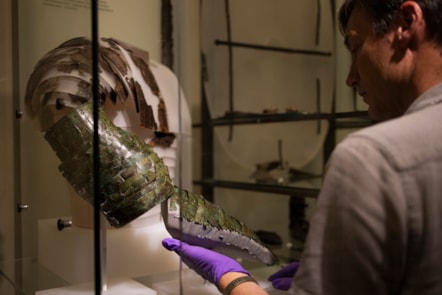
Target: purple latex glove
[[207, 263], [282, 279]]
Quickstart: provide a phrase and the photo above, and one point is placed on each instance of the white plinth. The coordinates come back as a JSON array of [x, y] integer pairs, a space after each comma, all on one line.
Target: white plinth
[[114, 287], [193, 284], [131, 252]]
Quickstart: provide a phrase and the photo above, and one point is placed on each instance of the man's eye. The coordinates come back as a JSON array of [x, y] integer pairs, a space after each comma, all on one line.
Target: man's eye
[[354, 51], [353, 55]]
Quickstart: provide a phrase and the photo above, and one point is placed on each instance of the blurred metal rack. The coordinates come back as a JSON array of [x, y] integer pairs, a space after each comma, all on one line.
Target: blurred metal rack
[[254, 118], [273, 48], [339, 120], [336, 120], [261, 187]]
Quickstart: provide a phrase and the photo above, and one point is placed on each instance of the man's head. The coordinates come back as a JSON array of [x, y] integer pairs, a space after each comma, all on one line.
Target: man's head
[[383, 12], [396, 51]]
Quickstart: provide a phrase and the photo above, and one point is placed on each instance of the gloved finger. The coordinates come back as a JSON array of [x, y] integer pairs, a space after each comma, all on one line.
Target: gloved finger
[[172, 244], [282, 283], [287, 271], [188, 256]]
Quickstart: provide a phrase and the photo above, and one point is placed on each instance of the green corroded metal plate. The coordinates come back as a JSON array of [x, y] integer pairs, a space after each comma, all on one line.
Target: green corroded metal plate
[[191, 218], [133, 179]]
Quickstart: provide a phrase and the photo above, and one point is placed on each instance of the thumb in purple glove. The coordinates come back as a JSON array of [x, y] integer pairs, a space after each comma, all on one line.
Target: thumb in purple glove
[[282, 279], [207, 263]]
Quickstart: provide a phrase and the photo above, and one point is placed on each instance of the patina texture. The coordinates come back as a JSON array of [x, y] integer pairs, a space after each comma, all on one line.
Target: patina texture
[[191, 218], [133, 179], [196, 208]]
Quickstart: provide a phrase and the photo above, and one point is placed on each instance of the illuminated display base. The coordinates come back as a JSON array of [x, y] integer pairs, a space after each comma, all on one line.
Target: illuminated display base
[[131, 252], [114, 287]]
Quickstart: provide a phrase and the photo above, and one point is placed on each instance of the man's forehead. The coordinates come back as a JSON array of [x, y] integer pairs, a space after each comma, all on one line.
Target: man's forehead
[[359, 23]]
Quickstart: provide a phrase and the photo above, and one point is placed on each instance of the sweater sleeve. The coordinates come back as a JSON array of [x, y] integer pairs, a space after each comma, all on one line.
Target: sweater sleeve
[[356, 242]]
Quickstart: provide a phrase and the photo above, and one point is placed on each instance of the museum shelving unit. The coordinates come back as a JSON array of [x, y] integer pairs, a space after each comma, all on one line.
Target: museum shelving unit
[[307, 187], [336, 120], [359, 119]]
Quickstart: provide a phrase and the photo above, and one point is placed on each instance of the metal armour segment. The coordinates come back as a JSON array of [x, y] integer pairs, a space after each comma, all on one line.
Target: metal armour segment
[[193, 219], [133, 179]]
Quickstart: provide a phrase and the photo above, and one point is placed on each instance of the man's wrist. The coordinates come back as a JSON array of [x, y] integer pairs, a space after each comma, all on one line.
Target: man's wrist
[[232, 279], [238, 281]]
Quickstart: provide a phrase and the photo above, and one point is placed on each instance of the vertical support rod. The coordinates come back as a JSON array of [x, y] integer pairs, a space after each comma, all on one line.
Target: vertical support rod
[[230, 57], [318, 22], [166, 34], [318, 104], [96, 155], [206, 145], [18, 251]]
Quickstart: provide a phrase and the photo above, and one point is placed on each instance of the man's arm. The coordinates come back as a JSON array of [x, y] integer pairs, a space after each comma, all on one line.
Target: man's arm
[[356, 236], [214, 267], [245, 288]]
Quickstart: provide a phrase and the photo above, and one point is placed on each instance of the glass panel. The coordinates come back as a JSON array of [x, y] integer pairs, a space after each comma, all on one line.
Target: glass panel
[[51, 242], [51, 256], [7, 201], [150, 74], [133, 32]]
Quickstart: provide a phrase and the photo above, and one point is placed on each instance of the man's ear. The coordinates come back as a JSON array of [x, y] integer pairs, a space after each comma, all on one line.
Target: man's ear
[[410, 24]]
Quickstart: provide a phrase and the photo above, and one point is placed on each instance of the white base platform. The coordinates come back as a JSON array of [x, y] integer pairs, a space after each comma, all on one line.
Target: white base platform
[[131, 252], [193, 284], [114, 287]]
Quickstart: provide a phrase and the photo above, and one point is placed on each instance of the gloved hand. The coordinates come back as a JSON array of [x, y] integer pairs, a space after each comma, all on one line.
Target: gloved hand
[[207, 263], [282, 279]]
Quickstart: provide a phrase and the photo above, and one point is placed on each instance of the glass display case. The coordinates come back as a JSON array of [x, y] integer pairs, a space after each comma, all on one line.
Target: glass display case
[[109, 117], [115, 56]]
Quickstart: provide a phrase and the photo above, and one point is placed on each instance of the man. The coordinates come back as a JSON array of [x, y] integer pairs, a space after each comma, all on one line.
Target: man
[[377, 225]]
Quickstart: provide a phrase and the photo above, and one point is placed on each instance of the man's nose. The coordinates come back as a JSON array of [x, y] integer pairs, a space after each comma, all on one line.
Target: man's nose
[[353, 76]]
